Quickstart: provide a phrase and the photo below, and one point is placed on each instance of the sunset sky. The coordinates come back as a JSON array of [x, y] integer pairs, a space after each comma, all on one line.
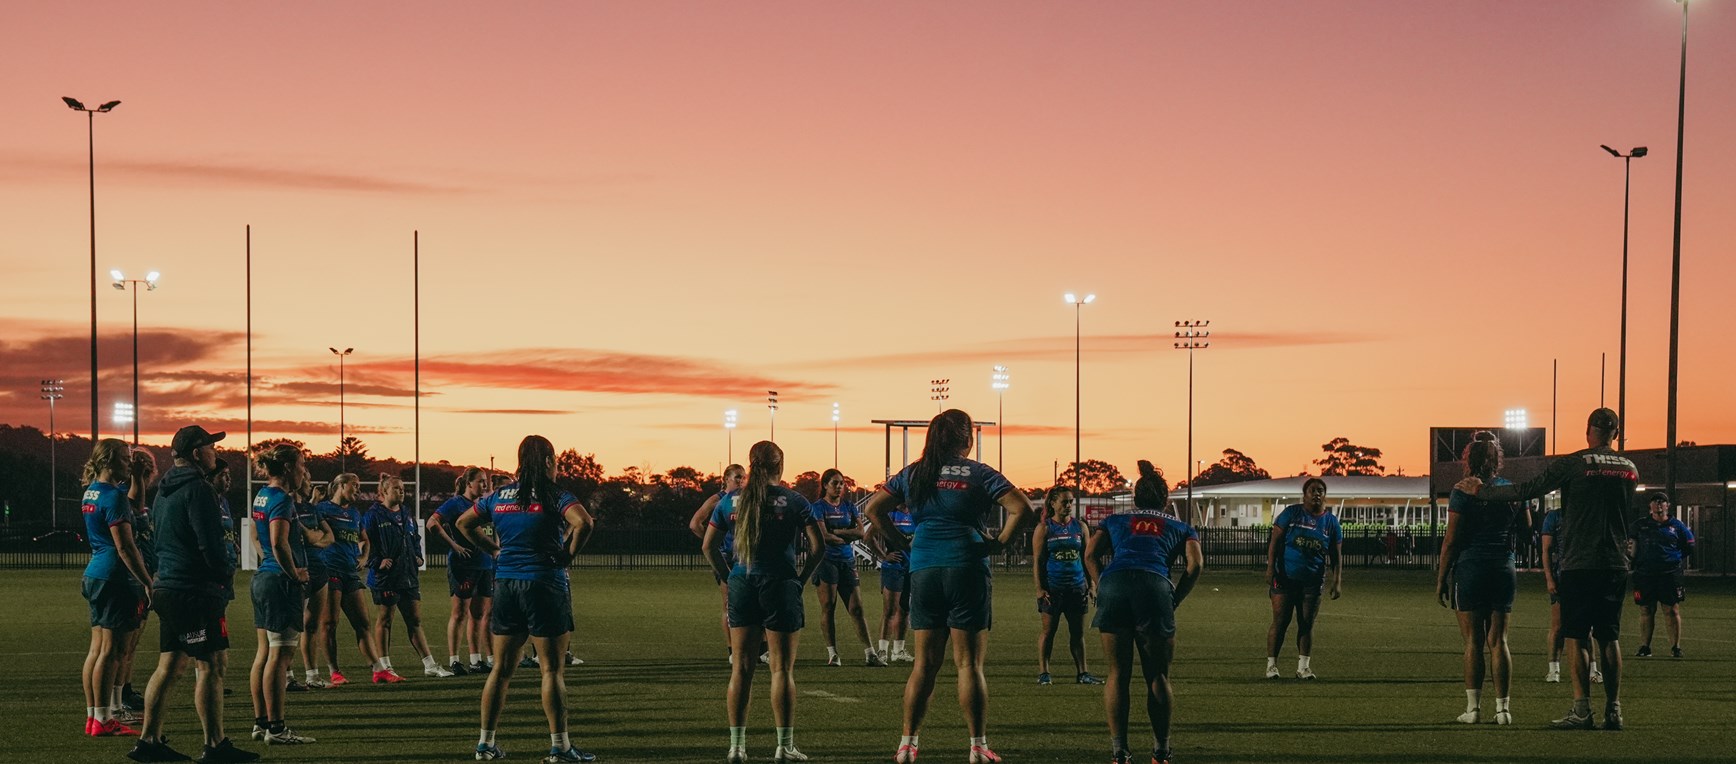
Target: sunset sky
[[635, 215]]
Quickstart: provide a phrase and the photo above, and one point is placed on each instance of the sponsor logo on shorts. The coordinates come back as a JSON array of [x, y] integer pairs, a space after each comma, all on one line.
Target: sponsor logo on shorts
[[194, 637]]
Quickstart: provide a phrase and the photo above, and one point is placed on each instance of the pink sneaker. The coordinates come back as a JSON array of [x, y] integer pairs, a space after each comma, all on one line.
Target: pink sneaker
[[980, 754], [906, 754]]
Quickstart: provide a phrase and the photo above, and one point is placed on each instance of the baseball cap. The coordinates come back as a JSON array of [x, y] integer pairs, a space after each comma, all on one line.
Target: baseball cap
[[191, 438], [1605, 419], [1659, 496]]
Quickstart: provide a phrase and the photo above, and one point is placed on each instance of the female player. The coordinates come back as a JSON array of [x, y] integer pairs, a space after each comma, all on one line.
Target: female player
[[1477, 577], [733, 475], [469, 574], [394, 558], [951, 499], [840, 524], [1063, 591], [278, 587], [116, 584], [1547, 536], [1136, 604], [765, 593], [142, 473], [895, 593], [316, 610], [1305, 550], [538, 529], [1661, 547], [344, 561]]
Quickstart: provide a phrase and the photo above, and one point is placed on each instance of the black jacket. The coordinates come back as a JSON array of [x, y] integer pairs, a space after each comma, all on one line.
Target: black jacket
[[192, 555]]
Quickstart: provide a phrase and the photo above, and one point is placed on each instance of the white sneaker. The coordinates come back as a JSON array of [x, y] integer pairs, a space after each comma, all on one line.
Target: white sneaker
[[1471, 717], [765, 659], [1272, 672], [789, 754], [287, 737], [834, 661], [125, 716], [1503, 717], [437, 671], [1304, 673], [1597, 677], [317, 683], [259, 733], [1553, 677], [903, 656], [573, 660], [736, 756]]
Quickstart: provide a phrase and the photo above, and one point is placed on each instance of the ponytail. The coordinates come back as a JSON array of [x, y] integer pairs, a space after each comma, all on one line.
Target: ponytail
[[1152, 490], [1483, 456], [765, 465], [536, 480], [949, 433], [110, 456], [465, 479]]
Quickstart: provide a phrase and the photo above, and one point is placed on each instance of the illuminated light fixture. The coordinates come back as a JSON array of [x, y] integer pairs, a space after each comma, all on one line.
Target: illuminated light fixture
[[124, 413], [1518, 419]]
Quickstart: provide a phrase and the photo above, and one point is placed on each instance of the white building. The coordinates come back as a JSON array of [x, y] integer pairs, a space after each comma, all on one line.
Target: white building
[[1383, 500]]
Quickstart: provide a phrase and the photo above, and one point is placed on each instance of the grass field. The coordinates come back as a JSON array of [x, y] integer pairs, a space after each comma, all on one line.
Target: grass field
[[652, 688]]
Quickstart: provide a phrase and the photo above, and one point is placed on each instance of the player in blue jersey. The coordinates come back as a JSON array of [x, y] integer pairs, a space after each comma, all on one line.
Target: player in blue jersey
[[1661, 546], [469, 574], [719, 510], [1477, 577], [1063, 592], [278, 587], [840, 526], [765, 593], [221, 484], [315, 608], [345, 559], [142, 472], [952, 499], [538, 530], [1547, 535], [394, 564], [1136, 604], [116, 584], [895, 592], [1304, 552]]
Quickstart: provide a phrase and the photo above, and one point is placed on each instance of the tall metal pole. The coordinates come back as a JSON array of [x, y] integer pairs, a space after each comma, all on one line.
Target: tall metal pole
[[1554, 404], [53, 390], [1003, 379], [90, 136], [1676, 268], [138, 411], [1078, 407], [416, 345], [1621, 372], [1191, 335]]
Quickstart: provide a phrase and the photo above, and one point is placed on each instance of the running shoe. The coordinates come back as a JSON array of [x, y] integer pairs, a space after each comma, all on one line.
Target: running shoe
[[317, 683], [294, 686], [1471, 717], [1160, 758], [765, 659], [1612, 719], [1085, 677], [389, 676], [875, 661], [1596, 676], [1645, 651], [980, 754], [1676, 652], [573, 660], [145, 750], [557, 755], [906, 755], [1503, 718], [486, 752], [125, 716], [1272, 672], [131, 700], [1121, 757], [113, 728], [225, 752], [834, 660], [527, 662], [259, 732], [903, 656], [1305, 673], [287, 737], [91, 725], [338, 679], [436, 671], [1572, 721], [789, 753], [480, 668], [1553, 677], [1044, 679], [736, 756], [458, 668]]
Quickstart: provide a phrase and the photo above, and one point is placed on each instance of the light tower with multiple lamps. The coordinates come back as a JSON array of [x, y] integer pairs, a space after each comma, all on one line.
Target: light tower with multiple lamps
[[90, 136], [343, 448], [1002, 380], [52, 390], [149, 283], [1191, 336], [1078, 408], [937, 390]]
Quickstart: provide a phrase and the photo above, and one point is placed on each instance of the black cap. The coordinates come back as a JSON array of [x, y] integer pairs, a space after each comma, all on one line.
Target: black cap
[[1605, 419], [1660, 496], [191, 438]]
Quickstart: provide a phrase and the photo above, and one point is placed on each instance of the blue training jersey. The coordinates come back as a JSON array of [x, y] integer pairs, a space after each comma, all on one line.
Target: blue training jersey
[[345, 552], [1661, 547], [836, 517], [1064, 554], [1485, 532], [1145, 539], [268, 505], [1307, 540], [529, 534], [231, 532], [950, 522], [449, 512], [902, 523], [392, 534], [723, 519], [783, 520], [105, 506]]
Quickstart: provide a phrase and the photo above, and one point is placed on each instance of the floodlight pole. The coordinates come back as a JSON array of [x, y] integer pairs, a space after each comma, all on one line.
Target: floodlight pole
[[1002, 380], [1676, 269], [343, 448], [1078, 406], [1621, 372], [90, 140], [1190, 336], [52, 390], [150, 285]]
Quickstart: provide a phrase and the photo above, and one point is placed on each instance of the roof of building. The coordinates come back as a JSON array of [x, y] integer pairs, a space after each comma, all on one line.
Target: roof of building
[[1351, 487]]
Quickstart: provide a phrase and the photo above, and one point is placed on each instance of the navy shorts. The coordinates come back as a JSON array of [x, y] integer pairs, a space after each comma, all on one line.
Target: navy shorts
[[955, 598], [841, 574], [1297, 589], [277, 602], [1063, 600], [1484, 585], [392, 597], [1591, 603], [728, 564], [1659, 588], [772, 603], [117, 604], [896, 579], [344, 580], [195, 625], [537, 608], [465, 584], [1136, 600], [317, 578]]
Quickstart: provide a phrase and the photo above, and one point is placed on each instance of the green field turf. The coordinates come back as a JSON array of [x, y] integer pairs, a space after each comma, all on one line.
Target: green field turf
[[652, 688]]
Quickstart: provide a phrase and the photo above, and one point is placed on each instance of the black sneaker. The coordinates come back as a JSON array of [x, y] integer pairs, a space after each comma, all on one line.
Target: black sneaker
[[225, 752], [479, 668], [458, 668], [294, 686], [1612, 719], [1645, 651], [1676, 652], [527, 662], [145, 750], [131, 700]]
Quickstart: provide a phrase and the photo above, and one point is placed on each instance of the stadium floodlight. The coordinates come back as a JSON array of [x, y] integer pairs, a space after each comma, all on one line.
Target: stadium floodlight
[[149, 284], [90, 147], [836, 415], [1001, 382], [1518, 419], [74, 103], [1191, 335], [1078, 407], [123, 413], [772, 406]]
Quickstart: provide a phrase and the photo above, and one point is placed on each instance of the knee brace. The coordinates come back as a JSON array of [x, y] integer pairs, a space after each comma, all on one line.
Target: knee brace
[[285, 638]]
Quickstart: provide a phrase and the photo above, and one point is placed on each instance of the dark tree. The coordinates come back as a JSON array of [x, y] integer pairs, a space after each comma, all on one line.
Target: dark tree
[[1235, 467], [1096, 478], [1345, 458]]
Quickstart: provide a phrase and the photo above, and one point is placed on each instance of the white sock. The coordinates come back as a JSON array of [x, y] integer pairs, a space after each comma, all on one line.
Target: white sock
[[475, 658], [1594, 667], [1302, 662], [907, 740], [786, 737], [1555, 667], [882, 645], [101, 714], [738, 738], [1271, 662], [90, 712], [561, 741], [311, 674], [1473, 700], [832, 652], [454, 659], [388, 661], [1501, 706], [898, 645], [979, 742], [381, 664], [869, 652], [487, 738], [430, 664]]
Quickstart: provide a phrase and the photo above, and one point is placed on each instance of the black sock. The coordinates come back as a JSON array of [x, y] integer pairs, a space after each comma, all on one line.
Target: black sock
[[260, 722], [276, 727]]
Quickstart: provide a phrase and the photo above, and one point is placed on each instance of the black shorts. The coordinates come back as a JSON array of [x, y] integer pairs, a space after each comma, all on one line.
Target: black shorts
[[1297, 589], [392, 597], [1484, 585], [1659, 588], [1136, 600], [195, 625], [117, 604], [728, 564], [1591, 603], [896, 579], [317, 578], [1064, 600], [465, 584], [277, 602], [344, 580], [956, 598], [772, 603], [841, 574], [537, 608]]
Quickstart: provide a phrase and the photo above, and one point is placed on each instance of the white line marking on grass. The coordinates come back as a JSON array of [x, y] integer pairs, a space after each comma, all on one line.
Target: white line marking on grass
[[823, 695], [1354, 615]]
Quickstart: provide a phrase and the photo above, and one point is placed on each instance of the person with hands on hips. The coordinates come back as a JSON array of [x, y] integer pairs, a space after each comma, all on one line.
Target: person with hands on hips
[[1305, 550], [1064, 592], [1477, 578]]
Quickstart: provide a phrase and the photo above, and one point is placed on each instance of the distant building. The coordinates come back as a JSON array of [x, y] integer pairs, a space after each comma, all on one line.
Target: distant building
[[1384, 500]]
